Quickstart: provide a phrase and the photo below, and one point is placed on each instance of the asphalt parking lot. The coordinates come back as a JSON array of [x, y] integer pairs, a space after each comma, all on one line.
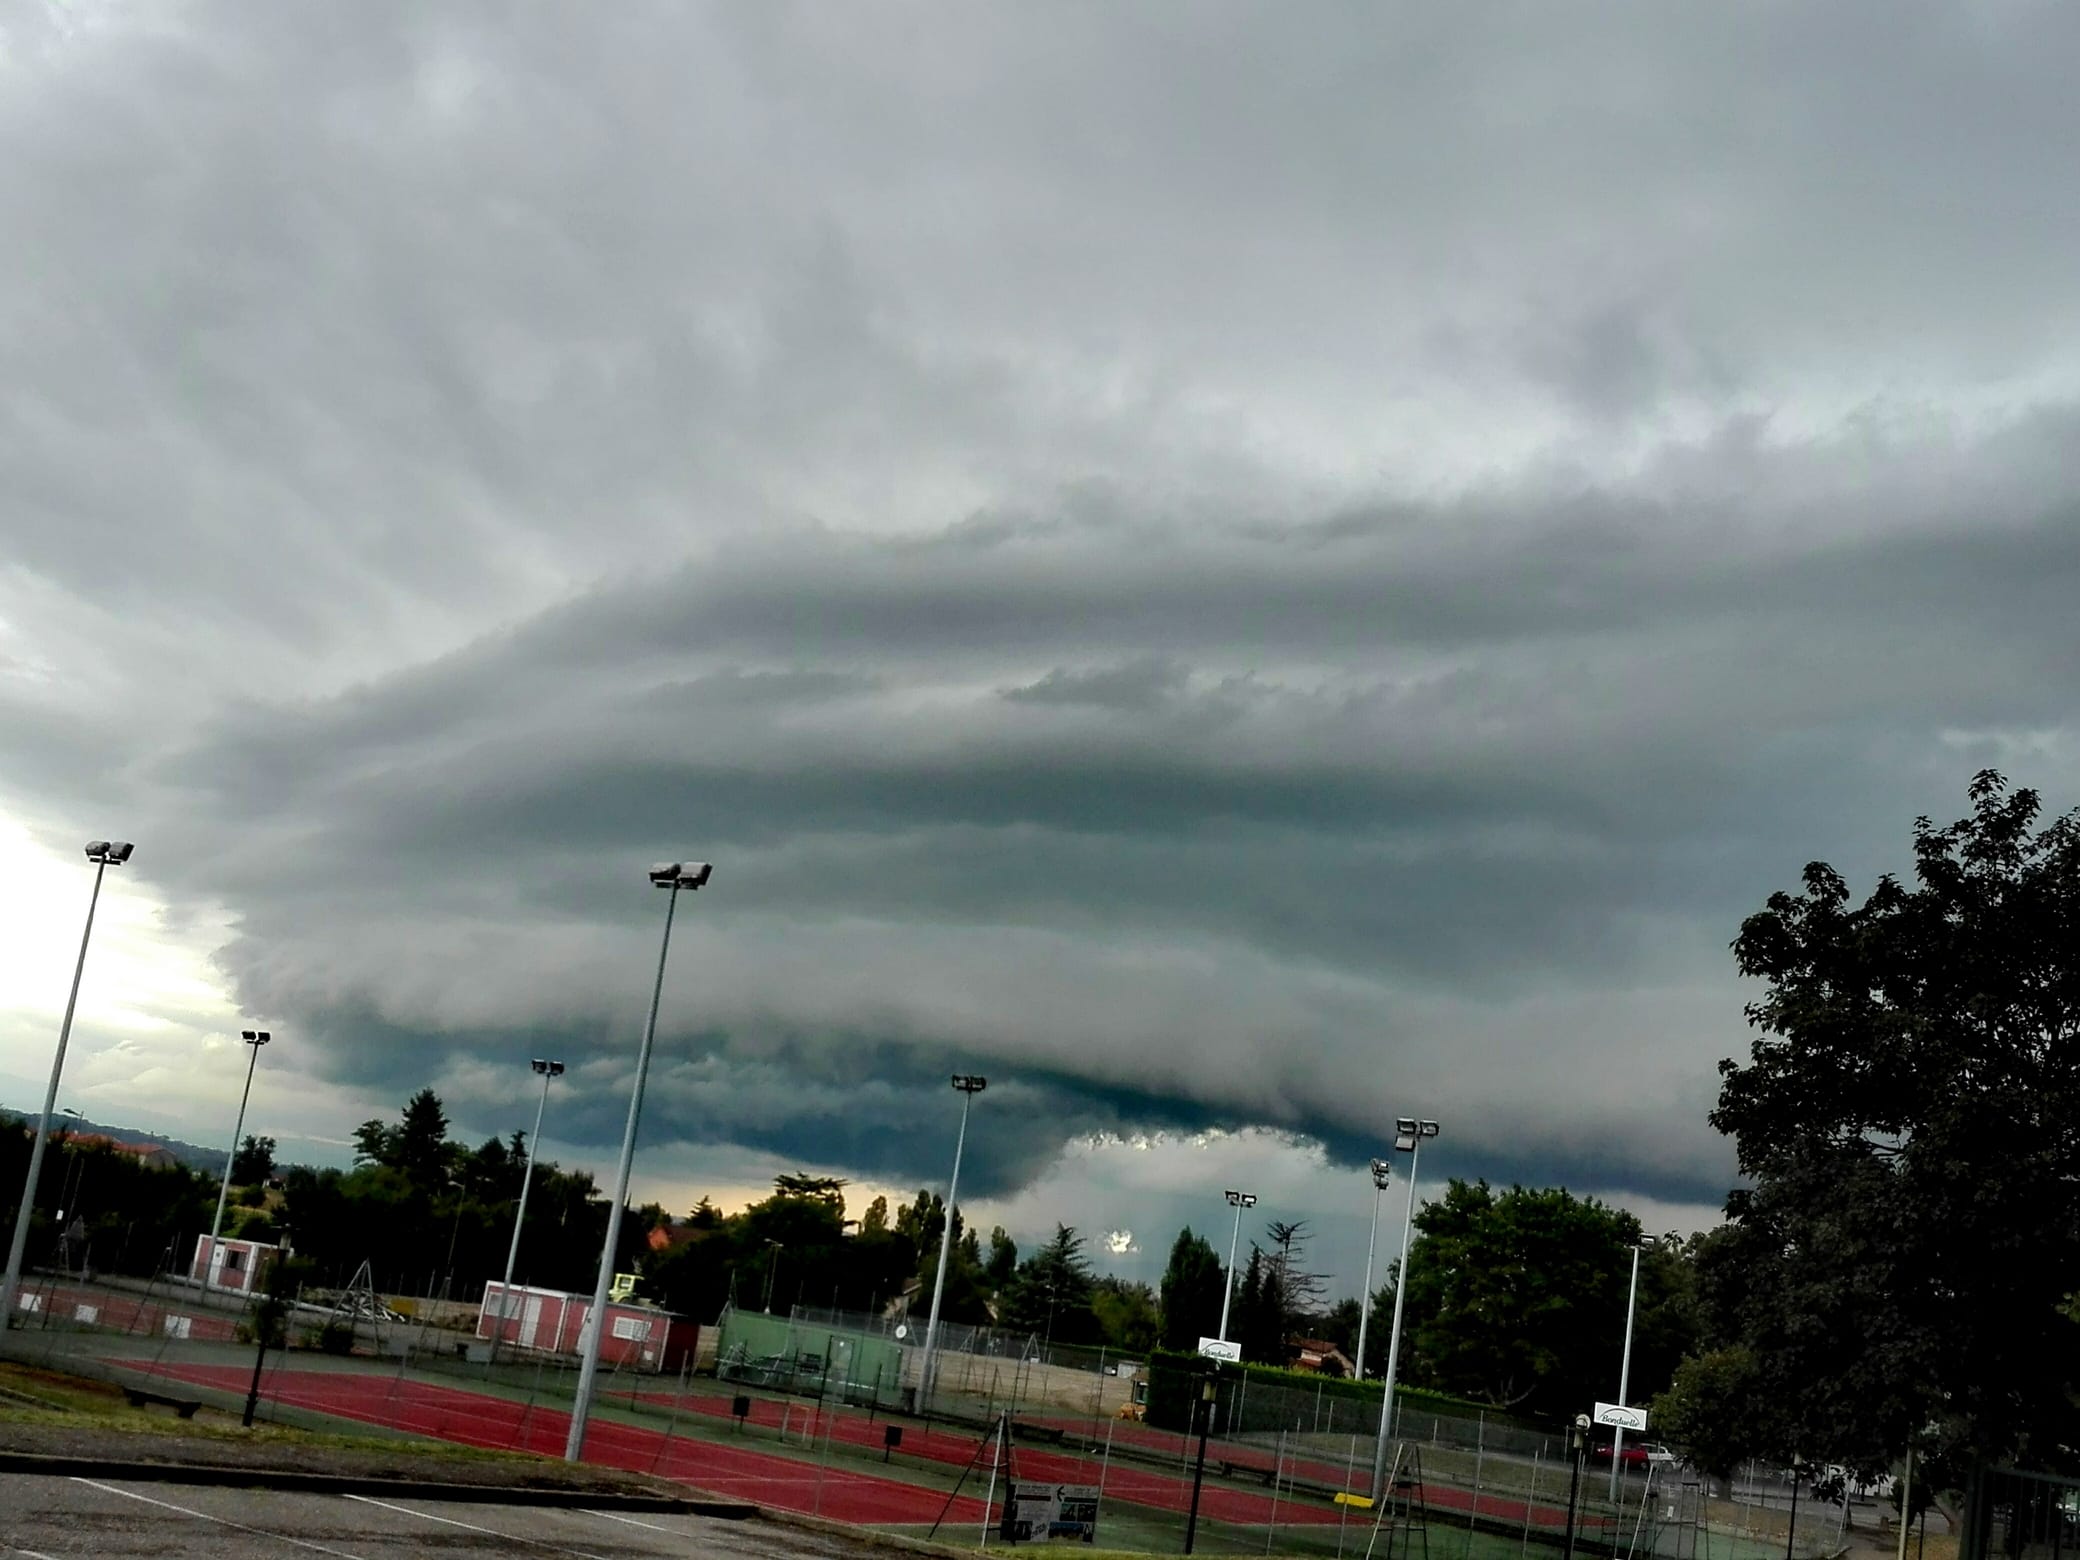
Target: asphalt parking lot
[[45, 1518]]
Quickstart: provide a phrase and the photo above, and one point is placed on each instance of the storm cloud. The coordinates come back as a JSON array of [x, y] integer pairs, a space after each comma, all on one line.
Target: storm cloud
[[1227, 569]]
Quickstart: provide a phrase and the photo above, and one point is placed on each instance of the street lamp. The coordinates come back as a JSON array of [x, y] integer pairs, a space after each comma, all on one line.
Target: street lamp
[[1382, 1172], [673, 875], [1238, 1201], [968, 1085], [547, 1070], [1409, 1133], [255, 1038], [773, 1269], [1644, 1243], [104, 854]]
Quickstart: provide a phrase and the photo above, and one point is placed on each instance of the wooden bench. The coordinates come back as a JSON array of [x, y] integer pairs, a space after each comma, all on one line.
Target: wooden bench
[[184, 1407]]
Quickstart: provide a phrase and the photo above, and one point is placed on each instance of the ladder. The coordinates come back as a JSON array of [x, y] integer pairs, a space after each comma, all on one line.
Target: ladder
[[1403, 1513]]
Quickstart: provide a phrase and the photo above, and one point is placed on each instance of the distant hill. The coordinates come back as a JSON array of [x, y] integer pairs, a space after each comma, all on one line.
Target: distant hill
[[189, 1154]]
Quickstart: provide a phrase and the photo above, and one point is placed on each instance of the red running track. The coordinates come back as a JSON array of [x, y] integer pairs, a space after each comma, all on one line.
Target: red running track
[[472, 1419], [1124, 1481], [1142, 1486]]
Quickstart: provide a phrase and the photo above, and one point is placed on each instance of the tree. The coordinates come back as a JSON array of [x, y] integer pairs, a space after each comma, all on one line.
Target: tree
[[421, 1145], [818, 1188], [1300, 1291], [1126, 1314], [254, 1161], [375, 1142], [1049, 1295], [1910, 1119], [1518, 1298], [1260, 1312], [1192, 1289], [874, 1221], [1003, 1258]]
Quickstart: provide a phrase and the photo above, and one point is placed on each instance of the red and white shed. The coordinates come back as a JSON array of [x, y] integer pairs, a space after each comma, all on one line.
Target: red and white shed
[[639, 1337], [235, 1265]]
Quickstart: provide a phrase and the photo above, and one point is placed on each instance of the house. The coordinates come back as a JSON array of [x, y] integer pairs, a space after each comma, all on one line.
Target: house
[[1319, 1356], [552, 1321]]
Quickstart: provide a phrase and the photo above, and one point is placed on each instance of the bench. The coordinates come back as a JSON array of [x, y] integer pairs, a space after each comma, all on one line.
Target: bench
[[1290, 1482], [184, 1407]]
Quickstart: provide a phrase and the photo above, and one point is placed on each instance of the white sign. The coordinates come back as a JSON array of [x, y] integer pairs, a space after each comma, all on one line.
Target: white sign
[[1621, 1417], [1036, 1513], [1221, 1349]]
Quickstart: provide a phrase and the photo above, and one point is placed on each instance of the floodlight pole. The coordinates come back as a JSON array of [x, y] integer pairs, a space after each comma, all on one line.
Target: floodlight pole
[[255, 1038], [1408, 1139], [1238, 1201], [548, 1070], [104, 855], [674, 876], [1382, 1172], [1625, 1371], [969, 1085]]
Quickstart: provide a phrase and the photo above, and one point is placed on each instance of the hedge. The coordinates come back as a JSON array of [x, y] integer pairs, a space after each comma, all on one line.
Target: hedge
[[1173, 1386]]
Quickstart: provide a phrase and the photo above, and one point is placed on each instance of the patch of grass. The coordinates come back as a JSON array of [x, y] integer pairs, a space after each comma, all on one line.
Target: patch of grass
[[29, 1395]]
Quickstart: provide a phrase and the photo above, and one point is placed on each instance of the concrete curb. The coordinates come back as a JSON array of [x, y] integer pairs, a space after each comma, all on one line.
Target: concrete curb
[[44, 1465]]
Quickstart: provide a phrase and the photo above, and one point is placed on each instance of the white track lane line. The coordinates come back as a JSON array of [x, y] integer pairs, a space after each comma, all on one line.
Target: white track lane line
[[187, 1511], [511, 1538], [33, 1554], [615, 1516]]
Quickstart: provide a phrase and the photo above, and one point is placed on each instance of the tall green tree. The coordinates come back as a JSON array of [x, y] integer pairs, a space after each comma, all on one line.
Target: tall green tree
[[1050, 1293], [1909, 1117], [1518, 1298], [254, 1161], [1191, 1291]]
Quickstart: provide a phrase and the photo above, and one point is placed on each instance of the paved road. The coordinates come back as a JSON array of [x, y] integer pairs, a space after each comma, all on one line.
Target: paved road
[[49, 1518]]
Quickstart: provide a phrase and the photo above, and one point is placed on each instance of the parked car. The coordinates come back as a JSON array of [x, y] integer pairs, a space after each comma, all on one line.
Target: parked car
[[1637, 1454]]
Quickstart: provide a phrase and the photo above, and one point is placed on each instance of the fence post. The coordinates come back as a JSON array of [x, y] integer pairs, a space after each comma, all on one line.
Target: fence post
[[1537, 1458]]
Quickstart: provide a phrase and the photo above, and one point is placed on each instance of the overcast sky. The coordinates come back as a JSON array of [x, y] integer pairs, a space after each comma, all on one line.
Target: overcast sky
[[1241, 570]]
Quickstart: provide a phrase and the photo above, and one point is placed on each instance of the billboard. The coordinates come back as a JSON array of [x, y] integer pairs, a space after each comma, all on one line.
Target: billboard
[[1036, 1513]]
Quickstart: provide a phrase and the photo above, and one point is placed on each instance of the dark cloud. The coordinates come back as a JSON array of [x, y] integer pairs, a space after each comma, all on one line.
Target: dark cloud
[[1224, 573]]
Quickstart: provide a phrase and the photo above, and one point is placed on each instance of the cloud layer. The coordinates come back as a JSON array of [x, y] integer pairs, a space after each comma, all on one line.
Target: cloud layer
[[1225, 574]]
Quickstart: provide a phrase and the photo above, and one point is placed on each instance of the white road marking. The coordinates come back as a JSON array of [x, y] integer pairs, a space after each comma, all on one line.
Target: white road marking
[[189, 1511], [511, 1538], [33, 1554], [615, 1516]]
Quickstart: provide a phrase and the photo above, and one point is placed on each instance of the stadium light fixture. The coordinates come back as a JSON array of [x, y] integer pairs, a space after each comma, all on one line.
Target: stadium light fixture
[[1382, 1173], [547, 1070], [254, 1038], [1238, 1201], [104, 854], [968, 1085], [1409, 1135], [673, 875]]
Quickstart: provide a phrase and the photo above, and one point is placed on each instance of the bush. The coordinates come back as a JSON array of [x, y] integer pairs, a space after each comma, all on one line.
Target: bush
[[1173, 1385], [332, 1338]]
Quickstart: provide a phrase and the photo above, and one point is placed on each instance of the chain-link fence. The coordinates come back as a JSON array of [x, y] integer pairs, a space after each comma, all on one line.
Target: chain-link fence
[[811, 1415]]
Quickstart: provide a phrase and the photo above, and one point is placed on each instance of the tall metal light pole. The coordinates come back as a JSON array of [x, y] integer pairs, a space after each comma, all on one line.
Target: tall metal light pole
[[1238, 1201], [673, 875], [1408, 1139], [104, 854], [773, 1269], [1625, 1364], [255, 1038], [1382, 1172], [969, 1085], [547, 1070]]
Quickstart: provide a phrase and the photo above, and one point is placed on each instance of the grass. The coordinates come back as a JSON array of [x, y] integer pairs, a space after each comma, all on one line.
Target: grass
[[33, 1396]]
